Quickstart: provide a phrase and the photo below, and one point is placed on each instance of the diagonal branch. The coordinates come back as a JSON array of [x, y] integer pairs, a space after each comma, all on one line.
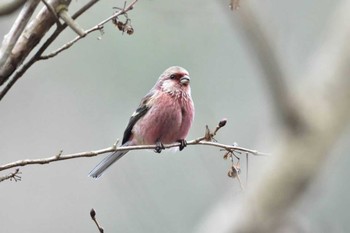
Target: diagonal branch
[[93, 217], [34, 32], [11, 38], [323, 104], [48, 42], [261, 45]]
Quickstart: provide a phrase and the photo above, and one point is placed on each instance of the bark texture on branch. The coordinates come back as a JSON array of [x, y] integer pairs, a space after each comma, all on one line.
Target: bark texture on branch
[[17, 28], [31, 36]]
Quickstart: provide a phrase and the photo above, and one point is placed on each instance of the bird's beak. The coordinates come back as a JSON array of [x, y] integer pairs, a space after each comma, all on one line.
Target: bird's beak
[[185, 80]]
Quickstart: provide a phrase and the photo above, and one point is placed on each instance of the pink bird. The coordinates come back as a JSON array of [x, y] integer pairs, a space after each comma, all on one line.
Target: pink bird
[[164, 115]]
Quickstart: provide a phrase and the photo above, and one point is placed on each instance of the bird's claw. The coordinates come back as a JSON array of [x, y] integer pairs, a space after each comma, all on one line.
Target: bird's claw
[[159, 147], [183, 144]]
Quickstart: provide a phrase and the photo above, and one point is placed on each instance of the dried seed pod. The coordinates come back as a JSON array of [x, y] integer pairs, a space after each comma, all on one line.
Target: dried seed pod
[[234, 171], [129, 30], [231, 174]]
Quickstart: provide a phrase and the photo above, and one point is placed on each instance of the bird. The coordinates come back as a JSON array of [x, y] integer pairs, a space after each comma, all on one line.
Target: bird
[[164, 116]]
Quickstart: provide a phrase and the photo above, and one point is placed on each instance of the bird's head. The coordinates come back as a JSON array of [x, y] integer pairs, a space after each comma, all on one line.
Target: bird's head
[[174, 80]]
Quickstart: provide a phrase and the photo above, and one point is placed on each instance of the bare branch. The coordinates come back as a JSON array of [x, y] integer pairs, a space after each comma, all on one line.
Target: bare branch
[[56, 158], [93, 217], [84, 8], [97, 27], [12, 176], [48, 42], [34, 32], [11, 38], [114, 148]]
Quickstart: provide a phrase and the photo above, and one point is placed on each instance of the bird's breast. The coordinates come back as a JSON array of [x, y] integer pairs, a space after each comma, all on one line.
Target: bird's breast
[[167, 121]]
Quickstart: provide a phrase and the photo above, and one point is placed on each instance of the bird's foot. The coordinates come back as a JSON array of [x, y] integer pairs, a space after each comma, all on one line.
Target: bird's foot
[[183, 144], [159, 147]]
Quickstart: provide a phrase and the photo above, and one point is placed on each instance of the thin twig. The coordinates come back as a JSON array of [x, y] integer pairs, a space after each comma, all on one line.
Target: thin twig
[[84, 8], [97, 27], [93, 217], [38, 55], [12, 176], [240, 182], [46, 44]]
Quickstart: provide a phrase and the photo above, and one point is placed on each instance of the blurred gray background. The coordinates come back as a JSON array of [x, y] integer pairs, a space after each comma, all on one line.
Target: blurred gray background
[[81, 100]]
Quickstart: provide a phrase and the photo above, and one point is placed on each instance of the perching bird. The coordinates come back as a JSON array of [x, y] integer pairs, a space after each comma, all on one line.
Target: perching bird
[[164, 115]]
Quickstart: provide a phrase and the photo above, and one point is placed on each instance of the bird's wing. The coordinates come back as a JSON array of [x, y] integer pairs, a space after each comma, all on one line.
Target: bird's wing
[[140, 112]]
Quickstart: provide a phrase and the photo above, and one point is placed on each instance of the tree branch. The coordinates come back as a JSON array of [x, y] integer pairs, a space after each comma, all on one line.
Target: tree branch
[[32, 35], [56, 158], [97, 27], [206, 140], [93, 217], [40, 51], [12, 176], [38, 54], [261, 46], [323, 104], [17, 28]]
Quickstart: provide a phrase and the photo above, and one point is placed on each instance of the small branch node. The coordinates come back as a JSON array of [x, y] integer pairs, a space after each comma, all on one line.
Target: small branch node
[[123, 26], [208, 136], [59, 154]]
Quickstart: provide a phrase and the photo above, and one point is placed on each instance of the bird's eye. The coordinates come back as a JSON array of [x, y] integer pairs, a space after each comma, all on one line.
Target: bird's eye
[[172, 76]]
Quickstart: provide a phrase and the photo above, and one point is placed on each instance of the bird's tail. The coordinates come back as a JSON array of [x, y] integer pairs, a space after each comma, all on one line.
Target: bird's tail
[[106, 163]]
